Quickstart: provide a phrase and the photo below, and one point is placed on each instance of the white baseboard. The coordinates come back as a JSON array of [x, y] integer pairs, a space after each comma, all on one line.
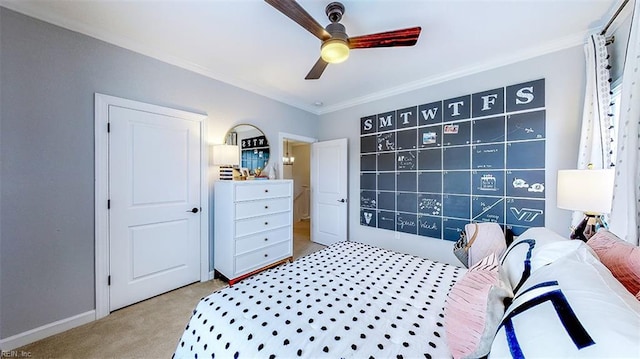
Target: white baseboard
[[212, 274], [47, 330]]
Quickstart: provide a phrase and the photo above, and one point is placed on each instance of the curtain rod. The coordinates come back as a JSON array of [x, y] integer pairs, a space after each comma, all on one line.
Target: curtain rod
[[613, 18]]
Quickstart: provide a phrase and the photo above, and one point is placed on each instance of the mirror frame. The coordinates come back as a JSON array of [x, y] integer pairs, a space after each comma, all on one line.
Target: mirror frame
[[253, 152]]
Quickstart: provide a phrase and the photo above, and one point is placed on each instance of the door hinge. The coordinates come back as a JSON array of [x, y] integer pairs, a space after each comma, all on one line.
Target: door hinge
[[108, 204], [109, 280], [108, 126]]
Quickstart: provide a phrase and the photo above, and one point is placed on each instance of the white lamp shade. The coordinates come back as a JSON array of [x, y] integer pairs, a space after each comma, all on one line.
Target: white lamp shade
[[226, 155], [586, 190]]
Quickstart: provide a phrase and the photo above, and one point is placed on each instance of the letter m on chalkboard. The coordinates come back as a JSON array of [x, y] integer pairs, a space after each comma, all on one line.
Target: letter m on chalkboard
[[386, 121]]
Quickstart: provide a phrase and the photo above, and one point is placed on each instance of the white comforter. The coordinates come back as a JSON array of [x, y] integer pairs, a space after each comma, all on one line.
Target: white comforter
[[348, 300]]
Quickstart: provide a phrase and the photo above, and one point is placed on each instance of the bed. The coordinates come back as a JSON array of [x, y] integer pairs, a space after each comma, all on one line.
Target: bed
[[544, 296], [347, 300]]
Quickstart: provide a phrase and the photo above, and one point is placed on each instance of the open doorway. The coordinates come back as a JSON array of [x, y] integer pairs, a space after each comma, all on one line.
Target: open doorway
[[295, 164]]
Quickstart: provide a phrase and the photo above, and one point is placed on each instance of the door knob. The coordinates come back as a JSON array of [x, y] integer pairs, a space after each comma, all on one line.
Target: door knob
[[342, 200], [193, 210]]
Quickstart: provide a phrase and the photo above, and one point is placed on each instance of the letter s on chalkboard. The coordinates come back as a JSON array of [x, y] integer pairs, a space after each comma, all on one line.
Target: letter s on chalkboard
[[525, 95], [368, 124]]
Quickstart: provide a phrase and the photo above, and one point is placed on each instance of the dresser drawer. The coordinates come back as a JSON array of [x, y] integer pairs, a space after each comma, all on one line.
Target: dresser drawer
[[262, 207], [263, 223], [262, 191], [262, 239], [261, 257], [253, 226]]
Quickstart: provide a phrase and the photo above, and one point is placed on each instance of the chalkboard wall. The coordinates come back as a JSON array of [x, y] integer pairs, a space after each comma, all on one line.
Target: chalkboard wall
[[432, 168]]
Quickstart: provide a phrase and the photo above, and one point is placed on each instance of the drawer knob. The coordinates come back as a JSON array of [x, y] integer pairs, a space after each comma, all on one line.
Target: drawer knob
[[266, 223], [266, 191], [266, 239], [266, 255], [266, 207]]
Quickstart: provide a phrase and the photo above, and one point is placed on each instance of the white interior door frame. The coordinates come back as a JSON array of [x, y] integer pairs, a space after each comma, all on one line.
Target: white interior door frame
[[329, 191], [281, 150], [101, 118]]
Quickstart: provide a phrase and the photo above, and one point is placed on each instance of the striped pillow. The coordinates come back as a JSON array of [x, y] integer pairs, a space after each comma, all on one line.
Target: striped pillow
[[517, 259], [570, 308], [474, 308], [620, 257]]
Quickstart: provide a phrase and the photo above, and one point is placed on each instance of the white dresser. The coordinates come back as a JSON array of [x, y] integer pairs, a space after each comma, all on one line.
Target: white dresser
[[253, 226]]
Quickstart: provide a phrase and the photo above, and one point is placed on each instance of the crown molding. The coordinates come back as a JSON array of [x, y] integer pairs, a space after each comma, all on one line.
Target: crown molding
[[494, 63], [32, 10]]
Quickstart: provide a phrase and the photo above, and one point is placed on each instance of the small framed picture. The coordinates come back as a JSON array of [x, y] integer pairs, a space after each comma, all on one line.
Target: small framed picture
[[244, 172]]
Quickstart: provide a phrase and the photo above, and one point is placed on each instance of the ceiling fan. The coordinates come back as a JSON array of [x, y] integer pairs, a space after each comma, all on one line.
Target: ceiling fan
[[335, 41]]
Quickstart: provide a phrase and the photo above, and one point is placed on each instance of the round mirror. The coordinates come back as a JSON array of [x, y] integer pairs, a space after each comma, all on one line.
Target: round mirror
[[254, 147]]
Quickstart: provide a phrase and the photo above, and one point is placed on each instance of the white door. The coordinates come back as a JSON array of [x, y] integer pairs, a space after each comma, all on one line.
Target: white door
[[329, 191], [154, 216]]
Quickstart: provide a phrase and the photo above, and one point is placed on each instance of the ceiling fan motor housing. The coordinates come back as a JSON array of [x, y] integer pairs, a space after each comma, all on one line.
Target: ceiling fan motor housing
[[335, 49], [337, 31], [334, 11]]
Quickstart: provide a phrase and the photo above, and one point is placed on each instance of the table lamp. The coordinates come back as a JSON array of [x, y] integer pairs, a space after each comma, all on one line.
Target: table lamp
[[589, 191], [226, 156]]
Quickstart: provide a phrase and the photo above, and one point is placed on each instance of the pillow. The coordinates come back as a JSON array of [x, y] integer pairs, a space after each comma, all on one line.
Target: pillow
[[620, 257], [550, 252], [516, 261], [474, 308], [572, 307], [490, 239]]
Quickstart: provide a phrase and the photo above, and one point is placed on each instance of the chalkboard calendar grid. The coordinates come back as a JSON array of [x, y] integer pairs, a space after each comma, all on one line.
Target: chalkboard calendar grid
[[430, 169]]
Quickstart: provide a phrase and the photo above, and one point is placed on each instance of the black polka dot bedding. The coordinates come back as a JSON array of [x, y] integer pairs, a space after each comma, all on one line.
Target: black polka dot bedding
[[349, 300]]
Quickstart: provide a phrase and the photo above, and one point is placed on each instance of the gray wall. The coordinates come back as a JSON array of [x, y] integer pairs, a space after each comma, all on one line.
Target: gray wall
[[48, 78], [564, 85]]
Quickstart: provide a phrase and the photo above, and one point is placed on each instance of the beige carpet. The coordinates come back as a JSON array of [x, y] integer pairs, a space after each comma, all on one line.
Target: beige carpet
[[302, 244], [149, 329]]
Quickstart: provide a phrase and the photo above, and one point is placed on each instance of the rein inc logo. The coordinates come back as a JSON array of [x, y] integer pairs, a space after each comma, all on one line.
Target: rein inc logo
[[15, 354]]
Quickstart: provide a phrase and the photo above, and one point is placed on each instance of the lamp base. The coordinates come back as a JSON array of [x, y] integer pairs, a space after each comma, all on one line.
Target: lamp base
[[226, 173], [588, 226]]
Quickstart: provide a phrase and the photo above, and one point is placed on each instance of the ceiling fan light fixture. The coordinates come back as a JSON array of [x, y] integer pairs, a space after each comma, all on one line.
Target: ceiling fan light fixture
[[336, 44], [334, 51]]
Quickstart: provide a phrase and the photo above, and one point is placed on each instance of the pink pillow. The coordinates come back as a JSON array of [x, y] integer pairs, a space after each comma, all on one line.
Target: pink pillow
[[620, 257], [474, 308]]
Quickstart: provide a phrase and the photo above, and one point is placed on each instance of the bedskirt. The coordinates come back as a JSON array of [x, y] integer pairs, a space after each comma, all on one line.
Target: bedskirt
[[347, 300]]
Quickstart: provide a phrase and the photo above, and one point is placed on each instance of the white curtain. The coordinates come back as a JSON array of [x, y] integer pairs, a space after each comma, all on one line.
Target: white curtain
[[625, 216], [597, 134]]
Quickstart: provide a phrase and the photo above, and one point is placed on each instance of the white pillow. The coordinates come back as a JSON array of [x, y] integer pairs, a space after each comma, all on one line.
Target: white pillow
[[490, 239], [600, 317], [516, 261], [550, 252]]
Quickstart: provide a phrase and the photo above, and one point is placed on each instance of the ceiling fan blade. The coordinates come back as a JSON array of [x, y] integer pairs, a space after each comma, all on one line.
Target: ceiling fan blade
[[404, 37], [317, 70], [295, 12]]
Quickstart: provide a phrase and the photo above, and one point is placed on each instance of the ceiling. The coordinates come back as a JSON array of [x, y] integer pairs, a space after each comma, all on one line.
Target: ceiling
[[249, 44]]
